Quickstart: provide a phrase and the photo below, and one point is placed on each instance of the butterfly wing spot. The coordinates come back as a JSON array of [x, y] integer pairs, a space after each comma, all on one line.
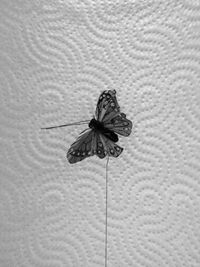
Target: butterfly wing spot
[[100, 153], [71, 150], [100, 144], [112, 104], [123, 115]]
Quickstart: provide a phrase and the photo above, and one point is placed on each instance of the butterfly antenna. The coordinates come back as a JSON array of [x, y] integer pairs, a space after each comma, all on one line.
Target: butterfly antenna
[[68, 124], [106, 216]]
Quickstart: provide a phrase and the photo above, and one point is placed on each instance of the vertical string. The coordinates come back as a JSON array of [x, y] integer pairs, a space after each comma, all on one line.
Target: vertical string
[[106, 216]]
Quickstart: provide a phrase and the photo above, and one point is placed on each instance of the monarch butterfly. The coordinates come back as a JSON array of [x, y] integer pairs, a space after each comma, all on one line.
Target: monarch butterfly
[[101, 137]]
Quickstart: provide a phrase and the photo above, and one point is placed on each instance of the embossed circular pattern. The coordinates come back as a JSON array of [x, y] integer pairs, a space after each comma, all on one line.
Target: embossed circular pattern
[[56, 57]]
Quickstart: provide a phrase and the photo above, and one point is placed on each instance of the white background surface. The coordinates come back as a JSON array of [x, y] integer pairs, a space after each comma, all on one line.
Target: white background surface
[[56, 57]]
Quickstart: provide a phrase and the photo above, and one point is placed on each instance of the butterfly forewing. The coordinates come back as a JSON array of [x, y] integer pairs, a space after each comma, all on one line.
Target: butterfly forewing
[[107, 106], [108, 112]]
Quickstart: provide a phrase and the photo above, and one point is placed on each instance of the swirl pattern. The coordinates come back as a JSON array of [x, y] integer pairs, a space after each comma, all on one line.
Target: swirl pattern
[[56, 57]]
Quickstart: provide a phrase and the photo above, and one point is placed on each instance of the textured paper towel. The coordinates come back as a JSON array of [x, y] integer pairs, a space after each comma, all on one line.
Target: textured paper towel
[[56, 57]]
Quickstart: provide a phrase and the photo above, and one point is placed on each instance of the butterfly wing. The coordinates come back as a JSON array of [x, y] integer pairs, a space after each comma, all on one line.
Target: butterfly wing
[[119, 124], [83, 147], [87, 144], [108, 112], [110, 147], [99, 148], [107, 106]]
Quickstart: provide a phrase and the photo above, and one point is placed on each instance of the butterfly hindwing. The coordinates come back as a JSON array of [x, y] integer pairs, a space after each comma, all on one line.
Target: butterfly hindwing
[[119, 124], [107, 106], [83, 147], [100, 149], [110, 147]]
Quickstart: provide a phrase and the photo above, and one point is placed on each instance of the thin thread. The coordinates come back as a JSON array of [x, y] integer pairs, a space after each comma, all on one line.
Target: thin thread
[[106, 221], [69, 124]]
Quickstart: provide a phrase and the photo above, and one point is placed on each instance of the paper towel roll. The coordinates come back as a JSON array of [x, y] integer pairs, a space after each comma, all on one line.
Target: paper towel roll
[[56, 57]]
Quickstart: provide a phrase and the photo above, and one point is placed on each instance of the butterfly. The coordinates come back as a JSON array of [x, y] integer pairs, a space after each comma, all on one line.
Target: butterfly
[[101, 137]]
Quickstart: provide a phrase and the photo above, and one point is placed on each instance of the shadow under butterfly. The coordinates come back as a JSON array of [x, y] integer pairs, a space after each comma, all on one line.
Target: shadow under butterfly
[[101, 137]]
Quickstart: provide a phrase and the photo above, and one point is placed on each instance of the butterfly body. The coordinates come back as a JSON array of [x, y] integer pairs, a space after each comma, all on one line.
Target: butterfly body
[[100, 128], [101, 137]]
